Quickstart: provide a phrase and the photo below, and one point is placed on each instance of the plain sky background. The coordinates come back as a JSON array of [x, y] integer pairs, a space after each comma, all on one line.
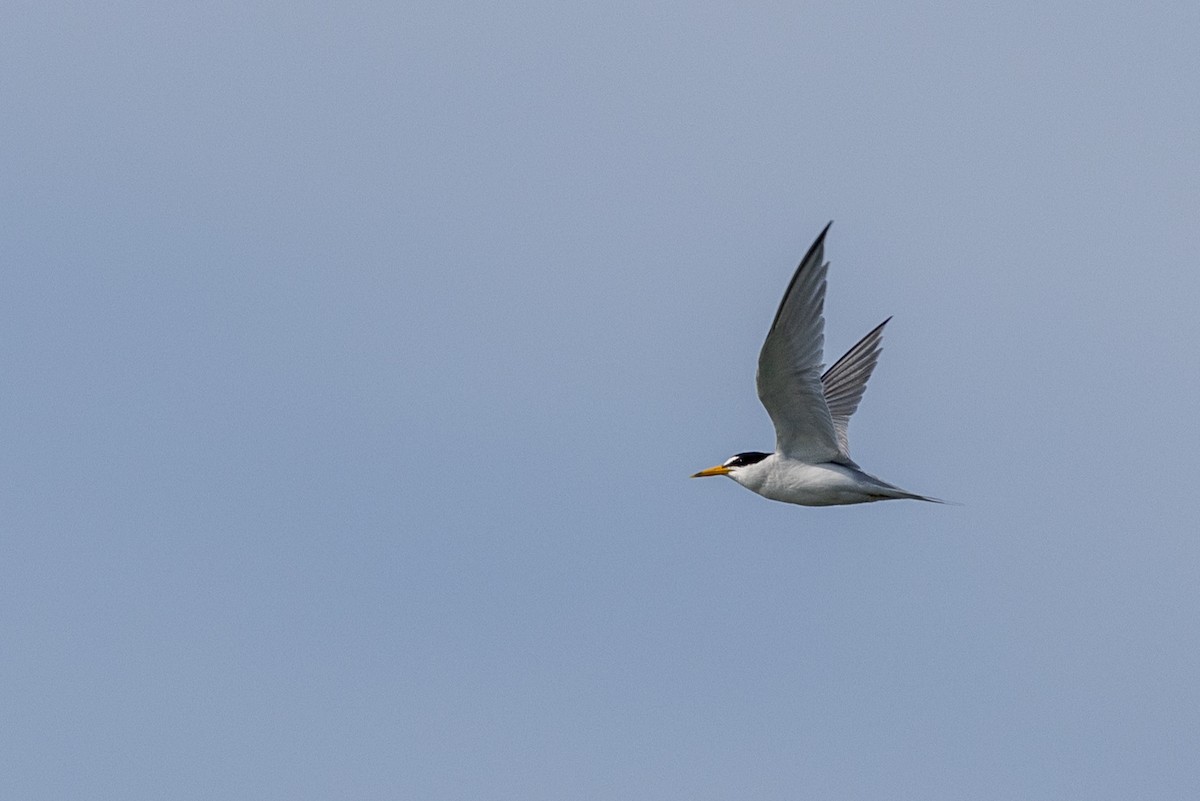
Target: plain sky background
[[355, 357]]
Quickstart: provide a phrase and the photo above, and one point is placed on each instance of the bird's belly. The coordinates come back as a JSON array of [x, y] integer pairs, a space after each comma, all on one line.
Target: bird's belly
[[816, 485]]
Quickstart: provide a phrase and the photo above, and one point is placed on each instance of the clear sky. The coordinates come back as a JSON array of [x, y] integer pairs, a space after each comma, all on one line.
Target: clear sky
[[355, 358]]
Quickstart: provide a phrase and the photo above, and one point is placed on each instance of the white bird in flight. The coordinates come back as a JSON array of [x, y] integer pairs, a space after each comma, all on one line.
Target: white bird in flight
[[811, 464]]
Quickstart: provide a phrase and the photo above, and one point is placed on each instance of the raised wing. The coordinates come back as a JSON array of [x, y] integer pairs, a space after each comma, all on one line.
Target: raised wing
[[789, 365], [845, 382]]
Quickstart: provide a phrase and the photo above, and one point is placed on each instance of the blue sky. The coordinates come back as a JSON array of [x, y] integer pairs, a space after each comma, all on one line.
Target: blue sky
[[356, 357]]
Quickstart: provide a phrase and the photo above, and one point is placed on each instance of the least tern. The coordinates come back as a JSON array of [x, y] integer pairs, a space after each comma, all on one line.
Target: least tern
[[811, 465]]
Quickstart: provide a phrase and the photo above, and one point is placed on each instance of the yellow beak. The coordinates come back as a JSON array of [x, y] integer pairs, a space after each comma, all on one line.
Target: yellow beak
[[719, 470]]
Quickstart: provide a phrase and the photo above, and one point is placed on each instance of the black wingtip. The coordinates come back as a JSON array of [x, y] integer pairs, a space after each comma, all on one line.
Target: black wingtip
[[817, 244], [825, 230]]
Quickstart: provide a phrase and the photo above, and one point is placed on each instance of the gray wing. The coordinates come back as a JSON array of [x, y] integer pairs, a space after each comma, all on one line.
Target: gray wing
[[846, 381], [789, 366]]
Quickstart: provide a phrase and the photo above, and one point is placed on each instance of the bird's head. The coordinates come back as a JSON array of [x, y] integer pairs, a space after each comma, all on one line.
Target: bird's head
[[731, 466]]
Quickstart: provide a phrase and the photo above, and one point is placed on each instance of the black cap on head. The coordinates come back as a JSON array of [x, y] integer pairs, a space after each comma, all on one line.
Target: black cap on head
[[743, 459]]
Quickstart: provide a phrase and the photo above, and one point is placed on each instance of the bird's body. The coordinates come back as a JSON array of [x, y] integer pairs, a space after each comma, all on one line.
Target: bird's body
[[811, 465], [828, 484]]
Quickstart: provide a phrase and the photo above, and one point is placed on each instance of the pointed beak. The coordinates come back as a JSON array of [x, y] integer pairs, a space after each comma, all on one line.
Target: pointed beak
[[719, 470]]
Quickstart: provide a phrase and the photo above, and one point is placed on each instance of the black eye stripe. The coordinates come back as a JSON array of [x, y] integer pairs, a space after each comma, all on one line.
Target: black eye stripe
[[743, 459]]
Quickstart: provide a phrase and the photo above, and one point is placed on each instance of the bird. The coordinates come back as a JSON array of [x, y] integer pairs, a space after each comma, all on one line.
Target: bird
[[811, 464]]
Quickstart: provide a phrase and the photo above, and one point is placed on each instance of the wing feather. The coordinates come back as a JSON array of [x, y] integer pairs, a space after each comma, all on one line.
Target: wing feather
[[846, 381], [789, 365]]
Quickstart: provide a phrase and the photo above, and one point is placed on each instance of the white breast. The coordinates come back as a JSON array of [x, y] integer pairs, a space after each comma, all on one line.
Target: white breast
[[792, 481]]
